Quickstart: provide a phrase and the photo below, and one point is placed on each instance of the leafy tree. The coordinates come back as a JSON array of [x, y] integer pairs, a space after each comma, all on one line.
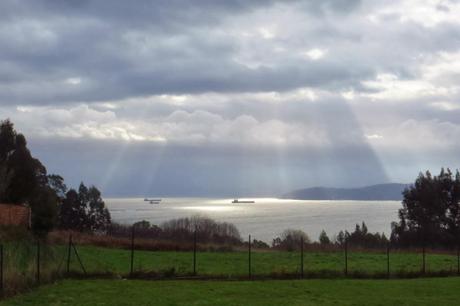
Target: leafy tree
[[44, 211], [290, 239], [206, 230], [72, 214], [363, 238], [431, 211], [259, 244], [56, 182], [142, 224], [323, 238], [98, 214], [84, 210], [28, 173], [23, 179], [340, 239]]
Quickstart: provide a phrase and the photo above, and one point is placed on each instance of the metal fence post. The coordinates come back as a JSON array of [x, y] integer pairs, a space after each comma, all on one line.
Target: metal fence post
[[301, 257], [194, 252], [38, 261], [69, 253], [423, 259], [132, 251], [388, 260], [346, 256], [249, 257], [79, 259], [1, 268], [458, 260]]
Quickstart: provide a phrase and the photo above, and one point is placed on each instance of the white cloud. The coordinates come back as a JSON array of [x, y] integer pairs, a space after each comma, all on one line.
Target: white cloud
[[429, 13], [73, 81], [374, 136], [267, 33], [436, 79], [315, 54], [348, 95]]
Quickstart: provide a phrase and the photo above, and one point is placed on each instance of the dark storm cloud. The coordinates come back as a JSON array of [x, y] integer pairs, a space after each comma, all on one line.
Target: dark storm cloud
[[119, 50]]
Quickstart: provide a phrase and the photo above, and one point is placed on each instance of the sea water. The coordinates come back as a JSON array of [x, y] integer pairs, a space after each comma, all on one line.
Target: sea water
[[267, 217]]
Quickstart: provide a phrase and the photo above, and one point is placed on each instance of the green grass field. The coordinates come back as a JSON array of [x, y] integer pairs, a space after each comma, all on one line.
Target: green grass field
[[432, 291], [266, 263], [20, 262]]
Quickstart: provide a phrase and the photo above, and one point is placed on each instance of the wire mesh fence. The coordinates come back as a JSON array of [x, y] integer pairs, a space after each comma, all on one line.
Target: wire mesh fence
[[245, 261], [24, 264]]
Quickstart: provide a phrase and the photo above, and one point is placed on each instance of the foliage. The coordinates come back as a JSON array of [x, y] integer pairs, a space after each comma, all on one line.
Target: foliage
[[290, 240], [44, 211], [363, 238], [183, 230], [323, 238], [84, 210], [431, 211], [259, 244], [23, 179], [206, 230], [21, 174]]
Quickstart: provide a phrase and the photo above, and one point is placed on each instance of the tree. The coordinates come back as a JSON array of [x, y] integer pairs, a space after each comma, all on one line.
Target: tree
[[323, 238], [23, 179], [98, 214], [7, 148], [340, 239], [56, 182], [28, 173], [363, 238], [84, 210], [72, 212], [430, 212], [44, 211], [290, 239], [144, 224]]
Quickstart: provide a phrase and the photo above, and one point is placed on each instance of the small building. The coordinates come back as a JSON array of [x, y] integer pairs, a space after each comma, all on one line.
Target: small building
[[15, 214]]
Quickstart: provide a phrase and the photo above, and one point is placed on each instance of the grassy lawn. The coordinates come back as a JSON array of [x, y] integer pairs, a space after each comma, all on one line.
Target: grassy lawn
[[433, 291], [96, 259]]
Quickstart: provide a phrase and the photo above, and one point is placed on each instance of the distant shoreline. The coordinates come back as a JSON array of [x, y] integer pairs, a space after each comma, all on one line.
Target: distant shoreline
[[380, 192]]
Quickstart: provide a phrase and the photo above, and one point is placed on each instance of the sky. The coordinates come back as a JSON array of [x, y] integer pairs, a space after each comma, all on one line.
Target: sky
[[233, 98]]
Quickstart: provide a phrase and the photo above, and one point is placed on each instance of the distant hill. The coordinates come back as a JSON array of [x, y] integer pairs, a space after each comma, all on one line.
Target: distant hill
[[382, 192]]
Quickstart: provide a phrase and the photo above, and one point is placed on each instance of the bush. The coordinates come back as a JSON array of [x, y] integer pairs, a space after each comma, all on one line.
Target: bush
[[290, 240]]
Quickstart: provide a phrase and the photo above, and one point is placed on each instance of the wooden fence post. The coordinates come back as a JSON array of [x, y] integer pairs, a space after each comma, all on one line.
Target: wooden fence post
[[249, 257]]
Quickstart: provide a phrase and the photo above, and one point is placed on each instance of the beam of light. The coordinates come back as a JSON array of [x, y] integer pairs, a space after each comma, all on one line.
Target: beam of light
[[114, 164], [153, 168]]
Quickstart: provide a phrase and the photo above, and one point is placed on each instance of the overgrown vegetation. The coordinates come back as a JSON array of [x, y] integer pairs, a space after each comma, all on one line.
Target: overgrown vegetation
[[182, 230]]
